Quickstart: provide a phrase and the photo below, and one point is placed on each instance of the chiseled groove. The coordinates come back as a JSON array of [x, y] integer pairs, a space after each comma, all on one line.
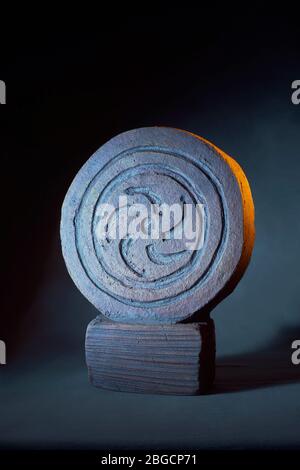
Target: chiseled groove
[[164, 280], [163, 258], [125, 347], [144, 355], [144, 334], [146, 329], [149, 359], [182, 371], [145, 341], [219, 190], [124, 247], [152, 197]]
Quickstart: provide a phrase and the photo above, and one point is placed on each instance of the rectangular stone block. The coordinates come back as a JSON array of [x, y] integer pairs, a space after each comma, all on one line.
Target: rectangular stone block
[[157, 359]]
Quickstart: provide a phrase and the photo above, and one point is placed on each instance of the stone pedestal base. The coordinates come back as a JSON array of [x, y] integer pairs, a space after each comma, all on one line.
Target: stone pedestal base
[[162, 359]]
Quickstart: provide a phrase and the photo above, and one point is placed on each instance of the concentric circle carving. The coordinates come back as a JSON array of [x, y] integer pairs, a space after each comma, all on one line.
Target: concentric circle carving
[[153, 280]]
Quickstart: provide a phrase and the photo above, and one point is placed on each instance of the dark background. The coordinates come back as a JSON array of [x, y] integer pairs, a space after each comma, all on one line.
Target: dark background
[[227, 79]]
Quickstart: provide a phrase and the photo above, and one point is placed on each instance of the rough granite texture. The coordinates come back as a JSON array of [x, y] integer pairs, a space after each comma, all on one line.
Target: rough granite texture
[[132, 282]]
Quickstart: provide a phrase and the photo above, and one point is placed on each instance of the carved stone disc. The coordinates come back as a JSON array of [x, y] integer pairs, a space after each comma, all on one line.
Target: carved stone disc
[[157, 280]]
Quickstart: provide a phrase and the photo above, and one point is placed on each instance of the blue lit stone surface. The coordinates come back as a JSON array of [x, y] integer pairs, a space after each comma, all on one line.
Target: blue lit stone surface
[[137, 281]]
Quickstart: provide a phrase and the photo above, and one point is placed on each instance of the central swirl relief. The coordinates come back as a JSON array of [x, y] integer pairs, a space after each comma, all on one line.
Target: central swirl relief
[[138, 227]]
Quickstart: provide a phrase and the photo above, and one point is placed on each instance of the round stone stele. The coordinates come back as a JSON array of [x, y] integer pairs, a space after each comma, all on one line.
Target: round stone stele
[[137, 280]]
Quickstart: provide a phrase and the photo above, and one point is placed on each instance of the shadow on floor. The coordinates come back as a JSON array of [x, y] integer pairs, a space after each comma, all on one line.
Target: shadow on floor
[[266, 367]]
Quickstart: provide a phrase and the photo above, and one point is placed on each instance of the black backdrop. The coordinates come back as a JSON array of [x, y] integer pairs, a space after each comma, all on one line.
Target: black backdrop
[[68, 91]]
